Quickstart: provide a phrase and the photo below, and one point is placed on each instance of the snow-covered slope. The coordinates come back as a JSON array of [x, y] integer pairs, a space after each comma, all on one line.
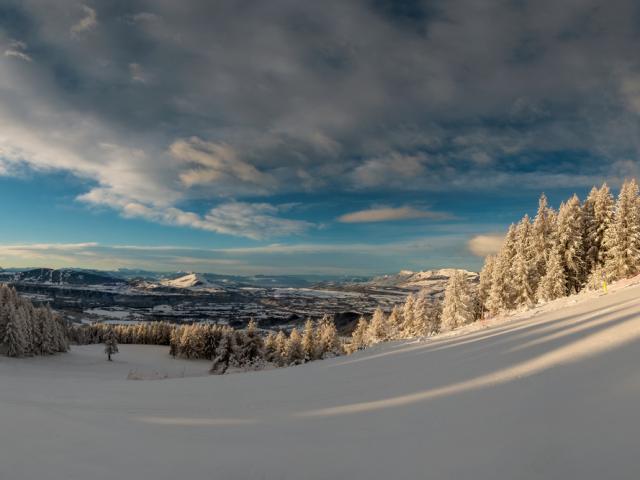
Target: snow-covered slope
[[190, 280], [550, 394]]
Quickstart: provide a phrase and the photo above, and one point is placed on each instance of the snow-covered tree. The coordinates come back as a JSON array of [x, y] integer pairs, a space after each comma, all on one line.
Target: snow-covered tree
[[224, 354], [407, 315], [110, 344], [309, 341], [251, 355], [359, 335], [377, 327], [523, 271], [394, 323], [486, 279], [14, 334], [328, 341], [570, 243], [622, 239], [270, 348], [457, 308], [543, 236], [501, 295], [599, 210], [294, 353], [554, 282]]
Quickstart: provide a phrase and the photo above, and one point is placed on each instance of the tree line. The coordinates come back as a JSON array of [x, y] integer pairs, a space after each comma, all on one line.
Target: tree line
[[558, 253], [27, 330], [225, 346]]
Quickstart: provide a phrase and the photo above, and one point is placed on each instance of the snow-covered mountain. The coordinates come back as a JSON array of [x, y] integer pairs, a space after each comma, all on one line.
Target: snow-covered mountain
[[427, 279], [189, 280], [64, 276]]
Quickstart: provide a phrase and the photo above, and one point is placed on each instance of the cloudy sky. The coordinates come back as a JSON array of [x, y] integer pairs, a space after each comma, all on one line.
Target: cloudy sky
[[283, 136]]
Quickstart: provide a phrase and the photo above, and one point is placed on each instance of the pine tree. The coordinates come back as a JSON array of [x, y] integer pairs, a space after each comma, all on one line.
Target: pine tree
[[484, 288], [110, 344], [377, 327], [501, 295], [524, 271], [421, 325], [294, 353], [14, 335], [554, 283], [328, 341], [570, 243], [270, 348], [224, 353], [622, 239], [251, 354], [543, 236], [359, 335], [394, 323], [407, 315], [457, 309], [309, 342], [281, 349]]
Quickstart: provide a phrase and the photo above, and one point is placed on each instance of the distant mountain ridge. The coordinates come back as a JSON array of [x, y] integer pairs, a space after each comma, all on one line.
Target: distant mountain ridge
[[63, 276], [421, 280]]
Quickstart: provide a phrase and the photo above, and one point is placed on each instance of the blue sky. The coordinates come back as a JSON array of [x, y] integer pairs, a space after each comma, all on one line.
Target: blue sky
[[335, 137]]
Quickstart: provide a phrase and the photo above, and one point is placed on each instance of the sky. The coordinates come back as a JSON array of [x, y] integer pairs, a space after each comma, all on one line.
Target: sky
[[342, 137]]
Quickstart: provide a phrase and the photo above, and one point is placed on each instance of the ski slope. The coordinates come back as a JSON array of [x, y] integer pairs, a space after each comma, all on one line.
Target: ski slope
[[553, 393]]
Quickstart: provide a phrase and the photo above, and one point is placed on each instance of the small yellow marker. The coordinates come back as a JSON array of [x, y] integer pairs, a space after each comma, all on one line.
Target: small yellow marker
[[604, 286]]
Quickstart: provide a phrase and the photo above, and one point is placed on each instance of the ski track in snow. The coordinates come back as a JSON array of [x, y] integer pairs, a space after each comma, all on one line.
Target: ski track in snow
[[551, 393]]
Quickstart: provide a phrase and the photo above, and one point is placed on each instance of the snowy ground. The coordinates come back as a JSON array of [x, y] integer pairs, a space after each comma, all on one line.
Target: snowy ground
[[549, 394]]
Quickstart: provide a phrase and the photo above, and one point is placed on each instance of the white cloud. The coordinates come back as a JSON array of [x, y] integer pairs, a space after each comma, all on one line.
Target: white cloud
[[86, 23], [215, 163], [390, 170], [386, 214], [17, 49], [487, 244]]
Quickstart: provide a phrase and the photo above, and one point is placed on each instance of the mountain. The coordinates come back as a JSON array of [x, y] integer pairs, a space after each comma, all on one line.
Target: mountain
[[428, 279], [190, 280], [65, 276]]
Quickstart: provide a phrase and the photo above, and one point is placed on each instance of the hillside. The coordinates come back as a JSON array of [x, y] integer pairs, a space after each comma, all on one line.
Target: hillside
[[550, 393]]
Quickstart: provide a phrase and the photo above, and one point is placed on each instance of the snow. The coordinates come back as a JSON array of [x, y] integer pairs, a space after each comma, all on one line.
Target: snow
[[549, 393]]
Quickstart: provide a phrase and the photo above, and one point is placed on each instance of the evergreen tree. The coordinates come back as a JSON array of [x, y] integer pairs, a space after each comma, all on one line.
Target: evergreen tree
[[407, 315], [554, 283], [377, 327], [270, 348], [484, 288], [359, 335], [622, 239], [251, 354], [328, 341], [457, 309], [110, 344], [570, 243], [543, 236], [309, 341], [524, 271], [294, 353], [501, 295], [14, 335], [224, 354], [600, 215], [394, 323], [281, 348]]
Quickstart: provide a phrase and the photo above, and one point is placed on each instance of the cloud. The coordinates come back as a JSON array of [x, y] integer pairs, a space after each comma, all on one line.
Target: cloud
[[386, 214], [17, 49], [250, 220], [297, 258], [487, 244], [86, 23], [216, 163], [294, 99]]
